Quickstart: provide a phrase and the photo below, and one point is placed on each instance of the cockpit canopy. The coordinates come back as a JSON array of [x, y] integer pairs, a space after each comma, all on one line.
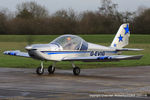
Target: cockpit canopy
[[71, 42]]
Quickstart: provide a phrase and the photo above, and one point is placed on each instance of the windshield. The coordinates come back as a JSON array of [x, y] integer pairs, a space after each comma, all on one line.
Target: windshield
[[69, 42]]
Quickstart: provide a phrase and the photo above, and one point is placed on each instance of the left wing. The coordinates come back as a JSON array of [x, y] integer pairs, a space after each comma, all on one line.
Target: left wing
[[17, 53], [104, 58]]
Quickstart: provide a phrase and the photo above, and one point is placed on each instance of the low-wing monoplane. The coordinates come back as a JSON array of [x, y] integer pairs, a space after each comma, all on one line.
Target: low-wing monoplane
[[74, 48]]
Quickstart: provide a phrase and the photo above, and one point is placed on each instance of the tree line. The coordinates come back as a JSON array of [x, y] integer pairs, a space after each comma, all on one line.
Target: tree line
[[33, 19]]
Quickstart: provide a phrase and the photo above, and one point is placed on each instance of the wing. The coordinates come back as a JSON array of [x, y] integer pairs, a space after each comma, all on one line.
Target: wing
[[17, 53], [105, 58]]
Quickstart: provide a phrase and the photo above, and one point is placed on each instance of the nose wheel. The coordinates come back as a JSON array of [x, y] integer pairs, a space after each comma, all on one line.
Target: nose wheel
[[40, 70]]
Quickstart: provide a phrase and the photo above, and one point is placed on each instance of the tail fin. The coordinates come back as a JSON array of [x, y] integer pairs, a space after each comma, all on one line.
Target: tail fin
[[122, 37]]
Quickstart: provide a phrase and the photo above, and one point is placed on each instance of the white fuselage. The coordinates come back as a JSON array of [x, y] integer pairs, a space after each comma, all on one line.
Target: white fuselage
[[53, 52]]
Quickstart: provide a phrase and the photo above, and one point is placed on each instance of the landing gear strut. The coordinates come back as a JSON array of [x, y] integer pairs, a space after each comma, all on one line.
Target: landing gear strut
[[51, 68], [40, 70], [76, 70]]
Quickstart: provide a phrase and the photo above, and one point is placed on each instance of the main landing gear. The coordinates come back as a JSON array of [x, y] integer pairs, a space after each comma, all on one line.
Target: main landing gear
[[76, 70], [51, 69]]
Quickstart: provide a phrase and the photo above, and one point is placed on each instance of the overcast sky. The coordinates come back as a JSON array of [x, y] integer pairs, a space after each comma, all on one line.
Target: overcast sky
[[77, 5]]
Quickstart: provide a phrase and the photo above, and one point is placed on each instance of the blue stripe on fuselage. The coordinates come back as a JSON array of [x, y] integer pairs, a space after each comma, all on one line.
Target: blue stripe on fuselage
[[64, 52], [71, 52]]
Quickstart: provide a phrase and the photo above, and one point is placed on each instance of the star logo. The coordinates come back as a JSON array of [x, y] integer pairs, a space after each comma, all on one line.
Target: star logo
[[126, 29], [120, 38], [115, 45]]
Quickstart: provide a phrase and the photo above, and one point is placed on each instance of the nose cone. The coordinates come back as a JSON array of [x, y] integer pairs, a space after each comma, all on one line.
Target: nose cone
[[28, 47]]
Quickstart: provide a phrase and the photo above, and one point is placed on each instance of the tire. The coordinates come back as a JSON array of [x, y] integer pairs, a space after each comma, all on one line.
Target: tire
[[51, 69], [39, 72], [76, 71]]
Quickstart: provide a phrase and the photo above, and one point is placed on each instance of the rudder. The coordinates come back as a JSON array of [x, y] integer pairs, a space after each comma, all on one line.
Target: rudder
[[122, 37]]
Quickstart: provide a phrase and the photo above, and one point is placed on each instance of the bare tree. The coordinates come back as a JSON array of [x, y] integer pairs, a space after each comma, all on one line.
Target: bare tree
[[108, 8], [141, 22], [3, 22], [31, 9]]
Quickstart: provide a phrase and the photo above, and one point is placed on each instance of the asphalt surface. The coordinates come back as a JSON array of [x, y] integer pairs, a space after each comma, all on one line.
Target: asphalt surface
[[126, 83]]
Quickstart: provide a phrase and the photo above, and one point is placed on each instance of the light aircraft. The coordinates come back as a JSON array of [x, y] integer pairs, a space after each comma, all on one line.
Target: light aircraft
[[74, 48]]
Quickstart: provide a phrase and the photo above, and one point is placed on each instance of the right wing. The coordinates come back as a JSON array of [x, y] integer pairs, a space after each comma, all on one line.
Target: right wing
[[104, 58], [17, 53]]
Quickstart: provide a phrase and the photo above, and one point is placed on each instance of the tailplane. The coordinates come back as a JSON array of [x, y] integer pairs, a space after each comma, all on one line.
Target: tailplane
[[122, 37]]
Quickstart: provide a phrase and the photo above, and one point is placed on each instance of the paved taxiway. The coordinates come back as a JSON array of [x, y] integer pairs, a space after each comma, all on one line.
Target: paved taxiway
[[126, 83]]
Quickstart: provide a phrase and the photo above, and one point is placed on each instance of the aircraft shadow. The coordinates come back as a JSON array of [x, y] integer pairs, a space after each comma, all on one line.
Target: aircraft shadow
[[86, 76]]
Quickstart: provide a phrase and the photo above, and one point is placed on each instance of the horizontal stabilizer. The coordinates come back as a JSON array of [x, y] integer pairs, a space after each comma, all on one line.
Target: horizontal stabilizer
[[127, 57], [17, 53], [129, 49]]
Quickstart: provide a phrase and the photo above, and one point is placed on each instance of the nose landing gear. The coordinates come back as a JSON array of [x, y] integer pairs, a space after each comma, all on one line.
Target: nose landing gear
[[40, 70]]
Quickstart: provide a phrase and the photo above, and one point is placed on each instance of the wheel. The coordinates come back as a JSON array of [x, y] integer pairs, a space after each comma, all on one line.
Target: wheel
[[51, 69], [76, 71], [39, 71]]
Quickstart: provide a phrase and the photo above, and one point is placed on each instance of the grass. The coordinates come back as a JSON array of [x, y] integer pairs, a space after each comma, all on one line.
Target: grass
[[18, 42]]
